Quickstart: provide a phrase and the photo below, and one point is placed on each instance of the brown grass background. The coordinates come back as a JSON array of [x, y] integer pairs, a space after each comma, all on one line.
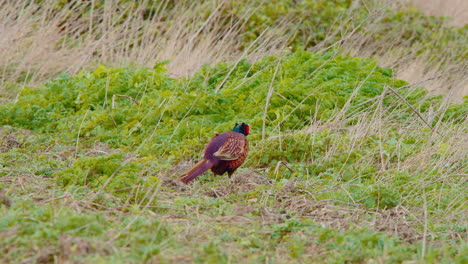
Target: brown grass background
[[33, 50]]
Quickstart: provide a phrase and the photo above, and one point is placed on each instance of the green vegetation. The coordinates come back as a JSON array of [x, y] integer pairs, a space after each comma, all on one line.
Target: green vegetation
[[404, 31], [158, 121], [347, 163]]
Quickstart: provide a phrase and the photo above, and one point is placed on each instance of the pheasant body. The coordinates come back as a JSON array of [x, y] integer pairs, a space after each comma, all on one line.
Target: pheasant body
[[224, 153], [237, 145]]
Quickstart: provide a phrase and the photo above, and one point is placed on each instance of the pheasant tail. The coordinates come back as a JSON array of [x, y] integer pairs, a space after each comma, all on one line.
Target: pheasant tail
[[197, 170]]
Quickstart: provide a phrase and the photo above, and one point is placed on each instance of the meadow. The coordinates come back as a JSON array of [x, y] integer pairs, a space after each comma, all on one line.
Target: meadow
[[358, 140]]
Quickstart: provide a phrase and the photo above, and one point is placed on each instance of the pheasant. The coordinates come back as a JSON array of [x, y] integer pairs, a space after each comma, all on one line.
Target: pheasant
[[225, 153]]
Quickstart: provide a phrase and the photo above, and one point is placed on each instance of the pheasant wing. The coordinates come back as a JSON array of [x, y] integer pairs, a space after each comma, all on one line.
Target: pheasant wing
[[231, 149]]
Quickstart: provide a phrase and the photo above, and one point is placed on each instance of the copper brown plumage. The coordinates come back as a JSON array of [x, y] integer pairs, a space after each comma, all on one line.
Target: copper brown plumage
[[224, 153]]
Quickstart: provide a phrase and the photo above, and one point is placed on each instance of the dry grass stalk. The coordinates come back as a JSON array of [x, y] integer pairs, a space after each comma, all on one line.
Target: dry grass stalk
[[40, 41], [456, 9]]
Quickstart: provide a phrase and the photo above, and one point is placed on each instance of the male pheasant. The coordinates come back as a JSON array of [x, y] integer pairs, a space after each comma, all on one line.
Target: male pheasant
[[225, 153]]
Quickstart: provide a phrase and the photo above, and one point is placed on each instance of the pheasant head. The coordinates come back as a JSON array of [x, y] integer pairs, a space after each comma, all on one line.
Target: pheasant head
[[242, 128]]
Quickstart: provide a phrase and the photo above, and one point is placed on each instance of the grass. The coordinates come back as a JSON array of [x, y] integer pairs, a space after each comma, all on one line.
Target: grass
[[347, 163], [455, 9], [51, 37]]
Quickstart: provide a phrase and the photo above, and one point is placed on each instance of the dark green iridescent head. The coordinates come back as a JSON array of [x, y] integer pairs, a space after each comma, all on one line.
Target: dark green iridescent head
[[242, 128]]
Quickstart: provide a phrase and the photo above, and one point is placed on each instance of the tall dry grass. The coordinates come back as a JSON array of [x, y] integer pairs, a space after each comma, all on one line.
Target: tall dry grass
[[41, 40], [447, 76], [455, 82], [457, 10]]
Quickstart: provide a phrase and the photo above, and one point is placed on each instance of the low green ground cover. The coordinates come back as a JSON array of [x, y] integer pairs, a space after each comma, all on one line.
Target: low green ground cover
[[346, 164]]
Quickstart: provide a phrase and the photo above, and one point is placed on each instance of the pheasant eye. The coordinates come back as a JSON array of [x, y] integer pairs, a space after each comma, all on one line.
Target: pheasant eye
[[247, 129]]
